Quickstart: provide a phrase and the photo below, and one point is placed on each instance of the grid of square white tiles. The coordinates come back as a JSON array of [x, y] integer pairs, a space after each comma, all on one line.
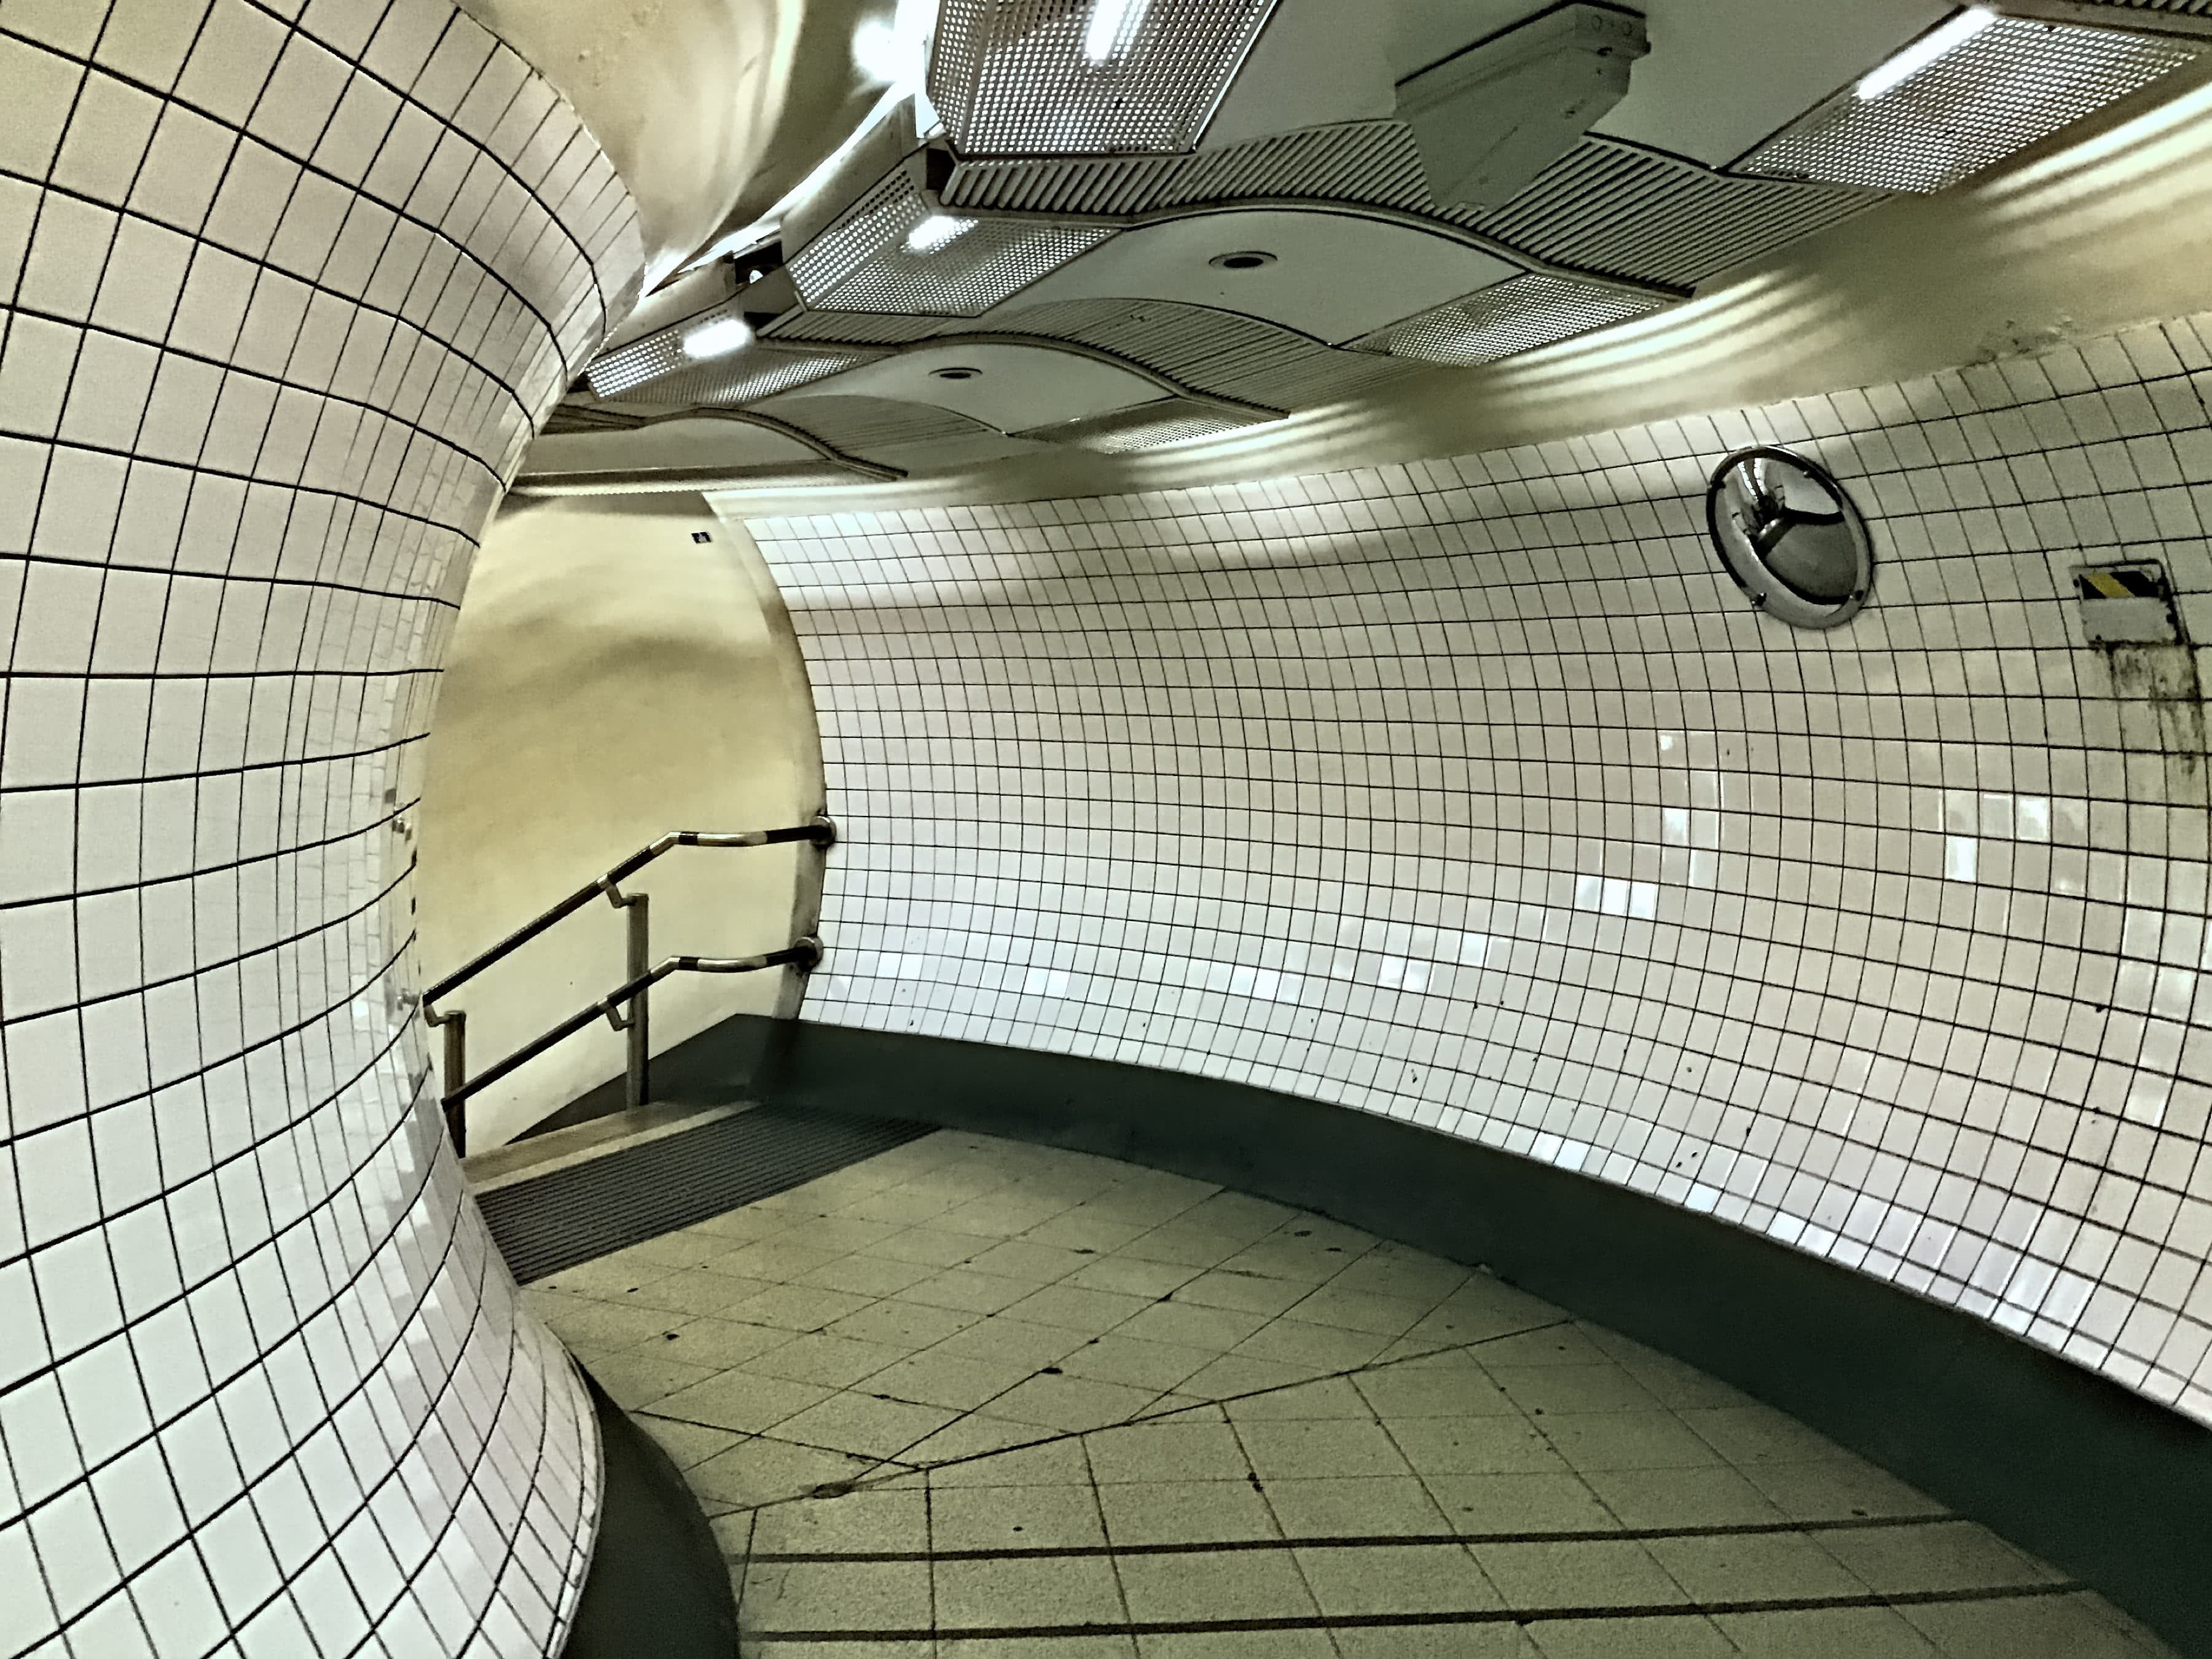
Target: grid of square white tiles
[[286, 284], [1471, 793]]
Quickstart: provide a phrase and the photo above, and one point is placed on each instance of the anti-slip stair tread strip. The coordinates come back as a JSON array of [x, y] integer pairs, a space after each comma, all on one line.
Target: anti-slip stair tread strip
[[583, 1211]]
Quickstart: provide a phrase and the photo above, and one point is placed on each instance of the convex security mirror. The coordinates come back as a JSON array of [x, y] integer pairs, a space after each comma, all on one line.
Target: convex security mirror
[[1790, 536]]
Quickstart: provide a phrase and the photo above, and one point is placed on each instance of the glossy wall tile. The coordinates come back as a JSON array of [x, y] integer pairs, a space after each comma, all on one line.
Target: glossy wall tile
[[1472, 792], [287, 287]]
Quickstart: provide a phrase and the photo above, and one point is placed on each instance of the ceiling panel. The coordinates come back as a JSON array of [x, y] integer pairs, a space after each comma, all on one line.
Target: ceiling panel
[[1013, 386], [1335, 275]]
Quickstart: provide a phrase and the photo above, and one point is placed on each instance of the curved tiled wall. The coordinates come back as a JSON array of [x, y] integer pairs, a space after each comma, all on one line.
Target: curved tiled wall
[[288, 287], [1471, 793]]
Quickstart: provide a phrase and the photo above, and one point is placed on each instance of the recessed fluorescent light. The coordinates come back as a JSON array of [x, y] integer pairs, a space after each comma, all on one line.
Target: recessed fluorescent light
[[1926, 50], [718, 339], [1114, 26], [934, 232]]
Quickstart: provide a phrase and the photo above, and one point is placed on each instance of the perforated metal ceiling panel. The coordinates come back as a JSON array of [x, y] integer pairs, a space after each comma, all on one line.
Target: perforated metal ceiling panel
[[1515, 316], [1375, 162], [2014, 83], [1621, 210], [895, 253], [1084, 77], [853, 327], [1609, 207], [657, 354], [761, 370]]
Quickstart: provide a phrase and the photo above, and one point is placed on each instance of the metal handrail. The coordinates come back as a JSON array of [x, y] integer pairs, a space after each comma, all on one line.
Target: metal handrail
[[804, 953], [821, 829]]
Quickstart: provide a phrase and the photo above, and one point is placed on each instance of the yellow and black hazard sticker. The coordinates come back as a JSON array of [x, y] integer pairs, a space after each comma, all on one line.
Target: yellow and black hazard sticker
[[2120, 582]]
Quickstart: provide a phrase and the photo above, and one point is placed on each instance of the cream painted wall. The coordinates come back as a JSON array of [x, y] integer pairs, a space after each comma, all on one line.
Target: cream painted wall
[[610, 679], [685, 96]]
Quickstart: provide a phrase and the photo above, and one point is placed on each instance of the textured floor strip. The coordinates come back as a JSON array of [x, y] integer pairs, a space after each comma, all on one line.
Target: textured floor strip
[[1394, 1541], [584, 1211], [1390, 1620]]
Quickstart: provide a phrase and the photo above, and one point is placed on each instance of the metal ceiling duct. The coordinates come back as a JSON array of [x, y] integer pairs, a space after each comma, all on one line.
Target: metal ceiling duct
[[1517, 315], [1085, 77], [1490, 118], [895, 252], [1972, 92]]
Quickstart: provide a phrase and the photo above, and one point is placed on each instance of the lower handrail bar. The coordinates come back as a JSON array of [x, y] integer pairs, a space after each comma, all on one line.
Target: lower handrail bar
[[804, 954], [820, 830]]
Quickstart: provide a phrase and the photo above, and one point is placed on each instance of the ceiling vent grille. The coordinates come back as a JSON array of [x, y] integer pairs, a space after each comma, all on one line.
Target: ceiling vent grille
[[1085, 77], [853, 327], [857, 425], [2016, 81], [1146, 425], [761, 370], [1607, 206], [894, 252], [1623, 211], [1374, 162], [1517, 315]]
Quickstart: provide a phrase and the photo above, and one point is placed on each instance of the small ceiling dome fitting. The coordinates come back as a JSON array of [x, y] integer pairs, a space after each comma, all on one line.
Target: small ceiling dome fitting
[[954, 372], [1243, 260]]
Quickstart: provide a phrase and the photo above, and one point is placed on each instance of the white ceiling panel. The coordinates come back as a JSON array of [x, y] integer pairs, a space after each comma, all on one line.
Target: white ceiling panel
[[1335, 275], [1014, 387]]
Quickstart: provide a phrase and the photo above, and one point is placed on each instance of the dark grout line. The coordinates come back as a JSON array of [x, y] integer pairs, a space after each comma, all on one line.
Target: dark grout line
[[1379, 1541], [1390, 1620], [1150, 1416]]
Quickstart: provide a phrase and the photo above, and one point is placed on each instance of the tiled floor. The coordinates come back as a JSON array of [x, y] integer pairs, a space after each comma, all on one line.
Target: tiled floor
[[974, 1398]]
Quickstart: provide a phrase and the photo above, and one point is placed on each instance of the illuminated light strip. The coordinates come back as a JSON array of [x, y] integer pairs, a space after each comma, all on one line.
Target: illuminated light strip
[[1114, 26], [1922, 53]]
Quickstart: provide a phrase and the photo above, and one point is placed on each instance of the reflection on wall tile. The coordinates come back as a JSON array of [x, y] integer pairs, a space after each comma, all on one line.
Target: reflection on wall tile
[[1470, 793], [270, 344]]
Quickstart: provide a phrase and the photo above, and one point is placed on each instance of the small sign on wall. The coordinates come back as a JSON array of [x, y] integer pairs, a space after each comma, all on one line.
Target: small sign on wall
[[2129, 604]]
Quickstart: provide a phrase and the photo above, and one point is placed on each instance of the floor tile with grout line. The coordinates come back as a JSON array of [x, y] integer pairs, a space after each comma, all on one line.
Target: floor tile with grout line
[[971, 1398]]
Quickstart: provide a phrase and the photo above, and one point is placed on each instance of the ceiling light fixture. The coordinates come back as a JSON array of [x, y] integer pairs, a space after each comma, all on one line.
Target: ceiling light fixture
[[718, 338], [954, 372], [1244, 259], [1113, 30], [935, 232], [1938, 43]]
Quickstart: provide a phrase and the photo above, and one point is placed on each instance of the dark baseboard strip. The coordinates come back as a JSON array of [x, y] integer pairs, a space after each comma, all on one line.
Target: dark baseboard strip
[[2098, 1482], [582, 1211], [658, 1583]]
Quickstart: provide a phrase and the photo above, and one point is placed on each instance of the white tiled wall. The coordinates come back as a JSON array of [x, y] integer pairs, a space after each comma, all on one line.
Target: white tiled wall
[[286, 286], [1471, 793]]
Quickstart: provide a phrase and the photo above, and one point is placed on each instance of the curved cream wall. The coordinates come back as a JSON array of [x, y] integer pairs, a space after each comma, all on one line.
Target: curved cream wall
[[294, 298], [1473, 794], [686, 95], [611, 679]]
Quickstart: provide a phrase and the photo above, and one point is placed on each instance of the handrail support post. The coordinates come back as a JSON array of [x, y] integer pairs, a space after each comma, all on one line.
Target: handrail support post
[[454, 1023], [637, 1030]]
